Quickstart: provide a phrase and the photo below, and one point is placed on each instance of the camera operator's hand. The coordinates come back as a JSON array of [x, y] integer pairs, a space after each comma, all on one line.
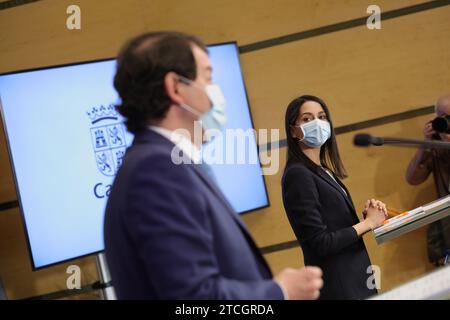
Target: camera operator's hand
[[445, 137], [428, 131]]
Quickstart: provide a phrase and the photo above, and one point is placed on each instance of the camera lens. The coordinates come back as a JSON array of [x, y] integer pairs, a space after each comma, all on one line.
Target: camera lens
[[441, 124]]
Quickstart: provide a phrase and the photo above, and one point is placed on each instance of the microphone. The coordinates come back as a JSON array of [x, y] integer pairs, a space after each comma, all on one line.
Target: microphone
[[365, 140]]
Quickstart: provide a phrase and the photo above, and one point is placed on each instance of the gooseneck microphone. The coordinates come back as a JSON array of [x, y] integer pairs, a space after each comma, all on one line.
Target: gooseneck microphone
[[366, 140]]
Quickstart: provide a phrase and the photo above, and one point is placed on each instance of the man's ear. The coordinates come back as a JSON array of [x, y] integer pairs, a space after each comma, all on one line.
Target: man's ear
[[172, 87]]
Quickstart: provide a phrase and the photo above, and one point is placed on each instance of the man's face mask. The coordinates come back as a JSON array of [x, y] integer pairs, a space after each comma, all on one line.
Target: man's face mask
[[315, 133], [216, 117]]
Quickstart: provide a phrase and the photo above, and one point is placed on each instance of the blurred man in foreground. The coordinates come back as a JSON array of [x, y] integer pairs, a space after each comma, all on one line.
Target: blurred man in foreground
[[169, 231]]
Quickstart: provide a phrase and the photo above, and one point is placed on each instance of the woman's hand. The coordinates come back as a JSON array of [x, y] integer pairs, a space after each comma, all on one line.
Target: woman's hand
[[375, 217], [372, 203], [374, 214]]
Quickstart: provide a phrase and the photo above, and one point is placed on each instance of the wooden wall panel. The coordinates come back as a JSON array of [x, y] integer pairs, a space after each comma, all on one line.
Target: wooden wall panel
[[362, 73], [40, 27], [7, 186]]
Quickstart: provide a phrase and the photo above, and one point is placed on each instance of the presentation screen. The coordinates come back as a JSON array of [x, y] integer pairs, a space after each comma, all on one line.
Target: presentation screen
[[66, 142]]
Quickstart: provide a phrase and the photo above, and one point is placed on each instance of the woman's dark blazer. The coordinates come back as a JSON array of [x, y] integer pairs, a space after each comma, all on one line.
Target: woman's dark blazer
[[322, 216]]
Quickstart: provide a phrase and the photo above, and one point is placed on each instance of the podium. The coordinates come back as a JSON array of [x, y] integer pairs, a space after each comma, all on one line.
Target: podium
[[432, 286], [413, 219]]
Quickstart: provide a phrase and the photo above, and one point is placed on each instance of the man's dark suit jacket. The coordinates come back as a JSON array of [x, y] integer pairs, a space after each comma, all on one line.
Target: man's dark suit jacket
[[170, 233], [322, 216]]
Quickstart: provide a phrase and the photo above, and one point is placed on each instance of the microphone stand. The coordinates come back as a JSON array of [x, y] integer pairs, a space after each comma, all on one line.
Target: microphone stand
[[428, 144]]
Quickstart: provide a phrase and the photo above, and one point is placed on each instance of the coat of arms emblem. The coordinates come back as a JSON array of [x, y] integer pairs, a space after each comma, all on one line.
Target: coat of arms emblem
[[108, 138]]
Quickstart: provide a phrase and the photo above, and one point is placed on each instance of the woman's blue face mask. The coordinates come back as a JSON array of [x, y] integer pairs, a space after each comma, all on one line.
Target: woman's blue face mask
[[315, 132]]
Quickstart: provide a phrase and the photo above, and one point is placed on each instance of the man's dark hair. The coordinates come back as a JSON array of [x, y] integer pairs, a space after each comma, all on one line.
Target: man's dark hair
[[142, 65]]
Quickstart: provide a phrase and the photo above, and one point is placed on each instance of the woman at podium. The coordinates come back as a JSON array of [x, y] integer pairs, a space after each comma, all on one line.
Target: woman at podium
[[319, 206]]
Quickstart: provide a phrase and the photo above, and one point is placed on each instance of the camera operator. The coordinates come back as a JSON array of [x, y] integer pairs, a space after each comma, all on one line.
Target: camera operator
[[437, 162]]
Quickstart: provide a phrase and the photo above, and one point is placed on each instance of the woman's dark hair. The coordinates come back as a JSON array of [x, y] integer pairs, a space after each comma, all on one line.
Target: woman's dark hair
[[329, 153], [142, 65]]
